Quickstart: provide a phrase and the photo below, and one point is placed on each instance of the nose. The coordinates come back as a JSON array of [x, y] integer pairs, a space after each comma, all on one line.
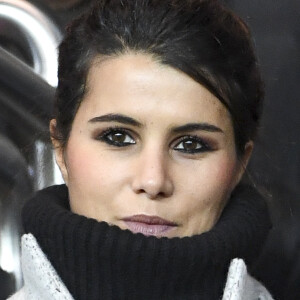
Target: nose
[[152, 175]]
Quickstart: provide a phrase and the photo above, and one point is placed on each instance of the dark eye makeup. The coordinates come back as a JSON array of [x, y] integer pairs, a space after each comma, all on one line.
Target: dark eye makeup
[[192, 145], [121, 137], [118, 137]]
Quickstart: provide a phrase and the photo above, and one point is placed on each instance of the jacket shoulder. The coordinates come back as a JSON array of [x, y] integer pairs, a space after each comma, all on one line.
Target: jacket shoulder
[[41, 281], [242, 286]]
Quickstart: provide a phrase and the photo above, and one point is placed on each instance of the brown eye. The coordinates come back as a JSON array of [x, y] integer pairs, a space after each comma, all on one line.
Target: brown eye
[[117, 137], [192, 145]]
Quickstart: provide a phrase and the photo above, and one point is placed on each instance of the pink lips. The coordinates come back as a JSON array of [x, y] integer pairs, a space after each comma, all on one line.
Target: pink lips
[[148, 225]]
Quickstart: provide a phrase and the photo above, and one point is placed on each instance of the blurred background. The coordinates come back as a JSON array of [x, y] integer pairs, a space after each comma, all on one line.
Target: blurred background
[[29, 34]]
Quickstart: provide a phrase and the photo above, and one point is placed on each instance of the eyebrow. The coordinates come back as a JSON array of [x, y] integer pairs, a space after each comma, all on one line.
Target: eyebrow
[[116, 118], [180, 129], [197, 126]]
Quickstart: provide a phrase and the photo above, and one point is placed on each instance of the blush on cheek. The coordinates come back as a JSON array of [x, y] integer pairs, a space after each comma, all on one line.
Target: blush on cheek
[[88, 167], [226, 172], [79, 163]]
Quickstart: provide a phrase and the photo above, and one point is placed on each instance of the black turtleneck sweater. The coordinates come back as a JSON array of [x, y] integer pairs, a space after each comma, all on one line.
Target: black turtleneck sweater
[[99, 261]]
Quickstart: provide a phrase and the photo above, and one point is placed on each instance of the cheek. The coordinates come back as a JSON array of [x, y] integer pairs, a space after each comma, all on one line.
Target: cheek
[[205, 194], [93, 181], [225, 171], [93, 169], [82, 164], [210, 181]]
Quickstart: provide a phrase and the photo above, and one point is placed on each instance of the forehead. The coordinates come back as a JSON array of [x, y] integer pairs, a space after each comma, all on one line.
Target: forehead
[[137, 85]]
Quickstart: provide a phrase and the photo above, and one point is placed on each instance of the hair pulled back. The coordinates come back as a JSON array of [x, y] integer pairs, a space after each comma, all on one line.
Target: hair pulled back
[[199, 37]]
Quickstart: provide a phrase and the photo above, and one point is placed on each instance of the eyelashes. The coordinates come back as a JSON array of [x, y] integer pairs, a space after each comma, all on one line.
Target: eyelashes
[[121, 137], [118, 137], [192, 144]]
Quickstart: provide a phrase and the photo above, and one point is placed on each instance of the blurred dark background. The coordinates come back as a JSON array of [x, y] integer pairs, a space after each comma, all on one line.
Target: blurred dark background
[[26, 162], [276, 162]]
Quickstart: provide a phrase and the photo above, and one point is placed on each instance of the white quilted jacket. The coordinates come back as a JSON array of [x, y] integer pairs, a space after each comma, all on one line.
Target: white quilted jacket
[[43, 283]]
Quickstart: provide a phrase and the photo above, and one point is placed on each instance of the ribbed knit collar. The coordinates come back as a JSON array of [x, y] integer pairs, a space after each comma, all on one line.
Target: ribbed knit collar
[[99, 261]]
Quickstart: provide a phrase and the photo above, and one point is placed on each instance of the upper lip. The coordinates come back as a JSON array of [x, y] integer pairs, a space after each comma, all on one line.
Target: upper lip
[[151, 220]]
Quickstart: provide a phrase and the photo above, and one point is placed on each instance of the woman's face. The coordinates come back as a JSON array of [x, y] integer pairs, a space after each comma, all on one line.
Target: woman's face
[[150, 150]]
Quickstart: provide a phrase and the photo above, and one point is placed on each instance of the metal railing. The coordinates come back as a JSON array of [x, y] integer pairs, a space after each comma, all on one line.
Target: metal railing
[[26, 98], [41, 34]]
